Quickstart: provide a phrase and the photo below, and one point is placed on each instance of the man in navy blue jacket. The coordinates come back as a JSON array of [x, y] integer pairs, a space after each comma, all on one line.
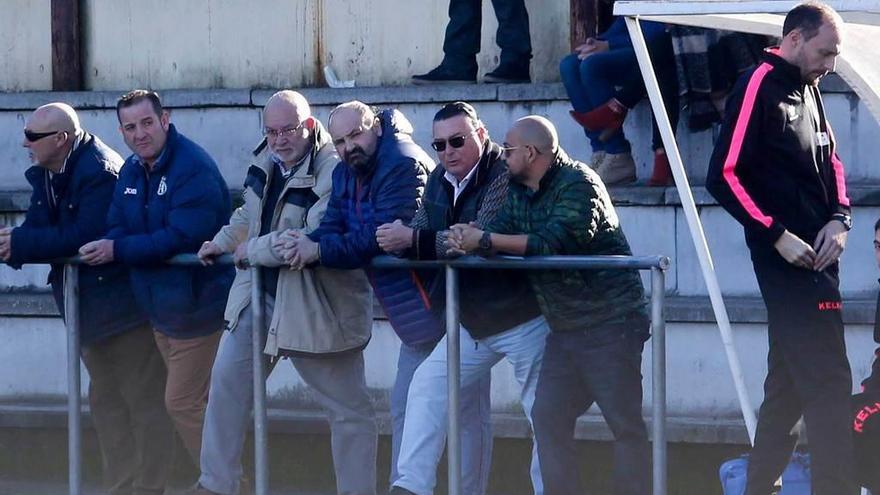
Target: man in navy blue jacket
[[73, 178], [380, 180], [170, 198]]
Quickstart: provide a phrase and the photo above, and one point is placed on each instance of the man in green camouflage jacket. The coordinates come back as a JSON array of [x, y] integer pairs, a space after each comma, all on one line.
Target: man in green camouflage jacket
[[598, 319]]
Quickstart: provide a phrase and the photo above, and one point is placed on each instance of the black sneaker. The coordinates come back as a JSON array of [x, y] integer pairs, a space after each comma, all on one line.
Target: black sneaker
[[443, 74], [508, 74]]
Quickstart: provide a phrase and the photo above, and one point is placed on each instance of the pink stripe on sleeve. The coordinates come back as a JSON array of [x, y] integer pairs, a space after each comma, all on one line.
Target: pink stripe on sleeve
[[736, 142], [839, 174]]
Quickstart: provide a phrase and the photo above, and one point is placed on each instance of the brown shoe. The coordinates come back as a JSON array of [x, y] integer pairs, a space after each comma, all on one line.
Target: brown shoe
[[617, 169]]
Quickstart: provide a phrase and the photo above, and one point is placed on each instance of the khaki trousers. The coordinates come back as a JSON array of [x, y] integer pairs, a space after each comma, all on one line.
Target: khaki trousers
[[189, 363]]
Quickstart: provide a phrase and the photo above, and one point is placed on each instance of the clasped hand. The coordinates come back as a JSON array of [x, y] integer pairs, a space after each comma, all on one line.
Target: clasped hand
[[296, 249]]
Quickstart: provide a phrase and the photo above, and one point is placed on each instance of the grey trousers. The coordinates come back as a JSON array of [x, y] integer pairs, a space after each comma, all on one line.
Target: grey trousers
[[339, 385]]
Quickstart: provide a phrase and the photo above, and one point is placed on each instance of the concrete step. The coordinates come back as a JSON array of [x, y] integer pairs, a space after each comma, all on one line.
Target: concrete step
[[302, 465]]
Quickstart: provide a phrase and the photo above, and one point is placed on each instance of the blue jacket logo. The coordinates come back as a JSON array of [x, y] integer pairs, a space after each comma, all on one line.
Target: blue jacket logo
[[162, 187], [130, 190]]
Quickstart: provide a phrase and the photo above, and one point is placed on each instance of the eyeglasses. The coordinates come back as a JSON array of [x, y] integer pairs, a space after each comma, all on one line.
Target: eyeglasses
[[288, 132], [505, 150], [36, 136], [455, 141]]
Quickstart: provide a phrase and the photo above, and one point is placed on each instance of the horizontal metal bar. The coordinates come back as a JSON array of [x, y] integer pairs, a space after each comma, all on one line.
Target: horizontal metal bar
[[532, 262], [475, 262]]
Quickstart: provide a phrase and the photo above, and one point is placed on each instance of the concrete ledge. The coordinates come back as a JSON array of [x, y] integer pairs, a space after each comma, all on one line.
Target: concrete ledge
[[394, 94], [28, 304], [504, 425], [861, 194], [14, 201], [200, 98], [858, 310]]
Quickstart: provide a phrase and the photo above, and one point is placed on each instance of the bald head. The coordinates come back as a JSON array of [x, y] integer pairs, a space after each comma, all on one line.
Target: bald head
[[50, 133], [290, 101], [288, 126], [55, 117], [355, 134], [537, 131], [353, 110], [531, 148]]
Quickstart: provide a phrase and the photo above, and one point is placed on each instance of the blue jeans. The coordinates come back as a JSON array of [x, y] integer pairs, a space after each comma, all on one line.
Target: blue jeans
[[601, 365], [424, 435], [476, 421], [590, 84]]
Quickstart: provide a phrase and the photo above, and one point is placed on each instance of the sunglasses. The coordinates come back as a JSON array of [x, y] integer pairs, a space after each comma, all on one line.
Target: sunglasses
[[36, 136], [456, 142]]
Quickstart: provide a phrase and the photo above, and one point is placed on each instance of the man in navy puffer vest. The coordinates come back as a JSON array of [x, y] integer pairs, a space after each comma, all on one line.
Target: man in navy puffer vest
[[380, 179], [73, 177], [170, 198]]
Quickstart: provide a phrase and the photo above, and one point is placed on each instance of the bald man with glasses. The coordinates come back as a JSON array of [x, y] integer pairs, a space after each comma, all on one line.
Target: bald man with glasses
[[598, 318], [73, 177]]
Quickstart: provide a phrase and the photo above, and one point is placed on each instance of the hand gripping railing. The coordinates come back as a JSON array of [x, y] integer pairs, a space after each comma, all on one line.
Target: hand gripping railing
[[657, 265]]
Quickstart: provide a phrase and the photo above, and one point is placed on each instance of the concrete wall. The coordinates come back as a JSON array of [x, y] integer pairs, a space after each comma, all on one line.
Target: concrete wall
[[238, 44], [227, 123], [26, 56], [701, 392]]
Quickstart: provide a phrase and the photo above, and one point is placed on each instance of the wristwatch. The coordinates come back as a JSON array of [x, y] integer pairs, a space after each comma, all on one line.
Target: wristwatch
[[843, 218], [486, 241]]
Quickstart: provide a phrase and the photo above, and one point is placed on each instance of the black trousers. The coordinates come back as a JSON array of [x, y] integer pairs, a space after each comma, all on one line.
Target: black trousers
[[601, 366], [462, 42], [127, 397], [807, 374]]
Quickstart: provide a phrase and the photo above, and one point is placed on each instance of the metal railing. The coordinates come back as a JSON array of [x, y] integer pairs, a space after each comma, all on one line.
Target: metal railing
[[656, 264]]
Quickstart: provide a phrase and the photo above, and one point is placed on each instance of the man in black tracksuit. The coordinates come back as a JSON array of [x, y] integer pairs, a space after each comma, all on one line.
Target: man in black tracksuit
[[776, 171]]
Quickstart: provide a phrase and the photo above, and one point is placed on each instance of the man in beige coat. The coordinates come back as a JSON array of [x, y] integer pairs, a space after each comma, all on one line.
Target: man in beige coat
[[319, 317]]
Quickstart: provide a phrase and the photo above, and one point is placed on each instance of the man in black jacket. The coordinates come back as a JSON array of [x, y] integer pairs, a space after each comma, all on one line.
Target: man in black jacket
[[73, 178], [866, 408], [499, 312], [776, 170]]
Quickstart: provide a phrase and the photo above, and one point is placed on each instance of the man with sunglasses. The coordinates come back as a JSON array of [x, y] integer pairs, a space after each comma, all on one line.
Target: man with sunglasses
[[169, 199], [598, 318], [321, 319], [73, 178], [499, 312]]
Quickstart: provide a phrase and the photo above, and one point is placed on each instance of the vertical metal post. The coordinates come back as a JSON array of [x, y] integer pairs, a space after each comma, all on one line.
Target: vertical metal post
[[261, 457], [453, 366], [658, 347], [74, 412]]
